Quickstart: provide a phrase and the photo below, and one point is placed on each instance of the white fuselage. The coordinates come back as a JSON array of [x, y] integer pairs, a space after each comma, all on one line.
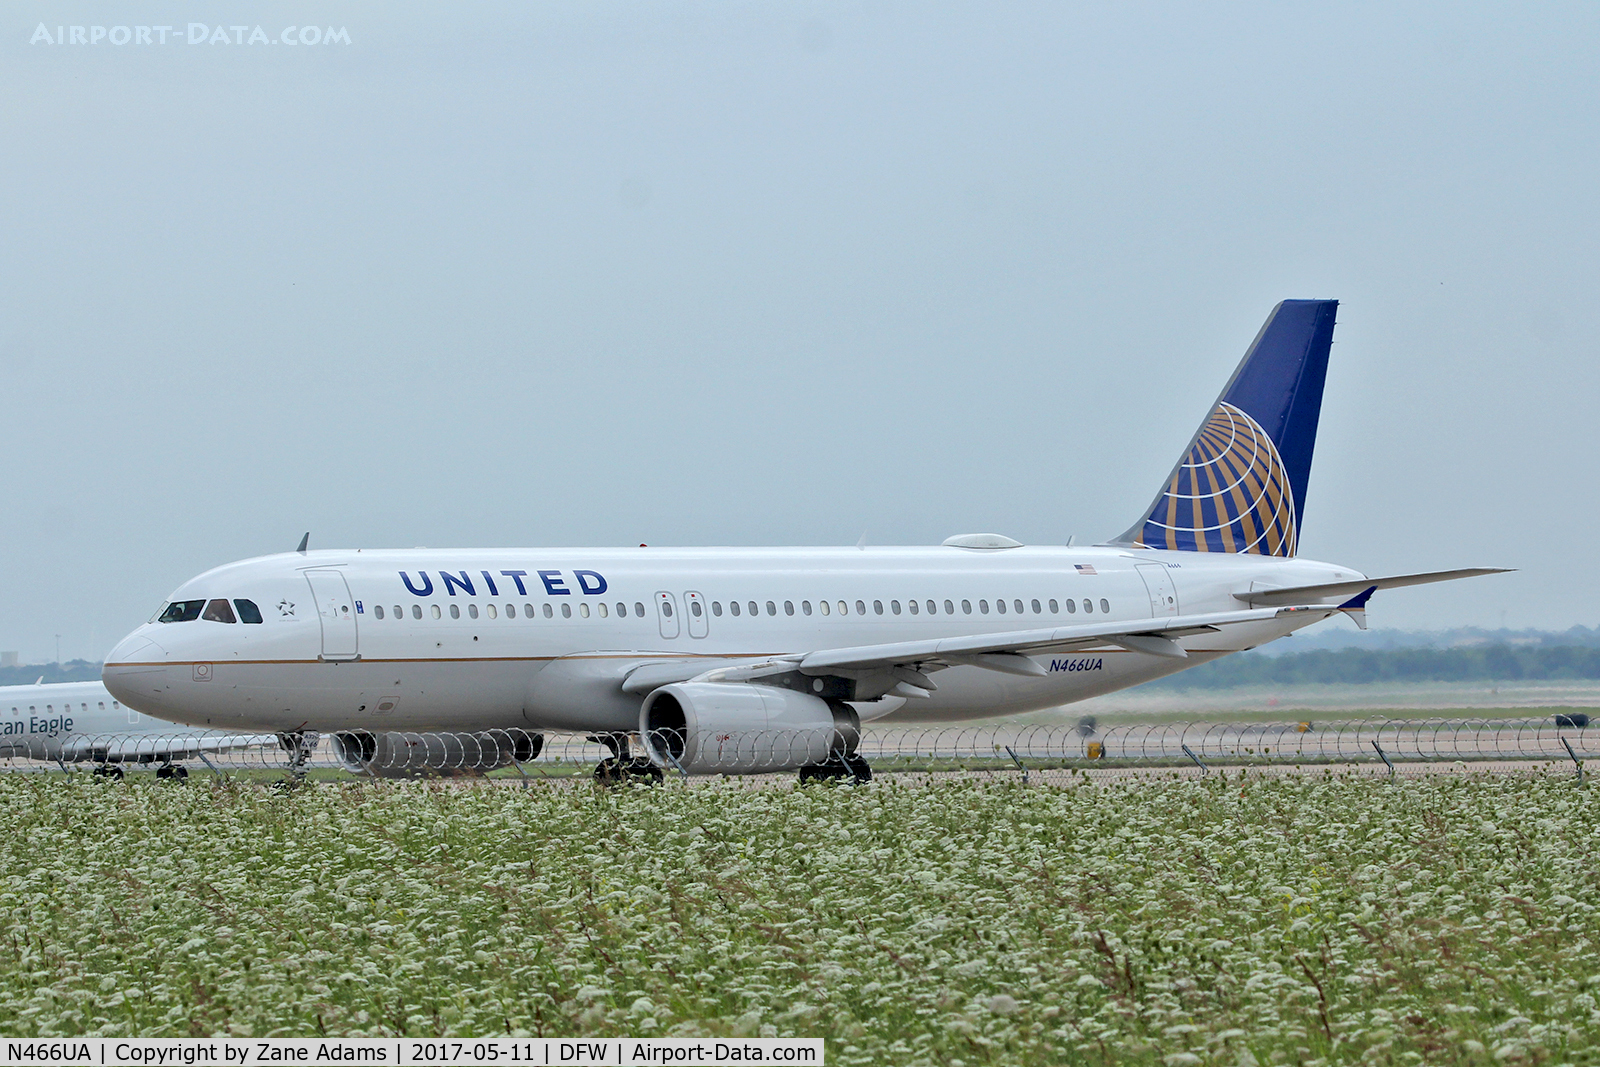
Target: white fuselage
[[81, 720], [542, 638]]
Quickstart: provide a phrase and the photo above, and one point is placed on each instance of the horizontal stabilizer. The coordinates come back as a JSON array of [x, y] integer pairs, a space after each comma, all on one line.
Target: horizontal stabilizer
[[1301, 594]]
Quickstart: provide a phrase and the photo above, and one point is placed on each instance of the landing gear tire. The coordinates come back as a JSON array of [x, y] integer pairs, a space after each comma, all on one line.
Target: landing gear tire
[[109, 770], [172, 772], [838, 769], [616, 771]]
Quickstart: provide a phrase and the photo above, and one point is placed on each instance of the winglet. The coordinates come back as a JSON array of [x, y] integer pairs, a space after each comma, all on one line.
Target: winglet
[[1356, 606], [304, 541]]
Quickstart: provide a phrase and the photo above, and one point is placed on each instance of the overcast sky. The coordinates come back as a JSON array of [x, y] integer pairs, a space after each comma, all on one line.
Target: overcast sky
[[760, 274]]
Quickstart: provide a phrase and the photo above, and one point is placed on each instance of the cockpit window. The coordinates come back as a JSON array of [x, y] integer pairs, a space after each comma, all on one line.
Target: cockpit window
[[182, 611], [248, 612], [218, 611]]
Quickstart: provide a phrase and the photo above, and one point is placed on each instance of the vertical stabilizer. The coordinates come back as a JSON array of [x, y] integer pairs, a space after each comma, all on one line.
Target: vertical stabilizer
[[1241, 484]]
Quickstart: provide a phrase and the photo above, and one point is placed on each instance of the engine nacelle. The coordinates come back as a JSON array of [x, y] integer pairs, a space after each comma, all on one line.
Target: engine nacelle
[[737, 728], [394, 754]]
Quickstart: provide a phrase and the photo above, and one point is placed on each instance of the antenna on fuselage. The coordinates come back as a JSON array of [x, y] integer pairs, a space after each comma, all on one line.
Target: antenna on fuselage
[[304, 541]]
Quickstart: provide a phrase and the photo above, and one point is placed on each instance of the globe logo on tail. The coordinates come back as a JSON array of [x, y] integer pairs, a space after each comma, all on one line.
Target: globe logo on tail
[[1230, 494]]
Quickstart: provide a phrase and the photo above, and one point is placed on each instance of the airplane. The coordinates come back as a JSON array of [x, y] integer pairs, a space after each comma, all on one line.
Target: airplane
[[77, 722], [743, 660]]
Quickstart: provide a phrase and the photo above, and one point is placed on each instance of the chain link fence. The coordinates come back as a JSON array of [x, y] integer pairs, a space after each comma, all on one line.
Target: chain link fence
[[1382, 745]]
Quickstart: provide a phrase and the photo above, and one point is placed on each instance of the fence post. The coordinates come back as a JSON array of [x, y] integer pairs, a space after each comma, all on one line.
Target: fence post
[[1383, 756], [1575, 759], [1187, 751], [1012, 753], [220, 776]]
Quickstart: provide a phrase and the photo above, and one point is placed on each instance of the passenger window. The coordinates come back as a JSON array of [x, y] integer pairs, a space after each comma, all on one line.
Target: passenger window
[[877, 607], [861, 608], [894, 606], [1072, 607], [1088, 605], [416, 611], [694, 608], [1000, 606], [733, 606], [603, 612], [966, 607], [1055, 609], [548, 612], [622, 611], [638, 609], [772, 609], [527, 610], [788, 607], [248, 612], [753, 609], [472, 610], [983, 607], [182, 611], [844, 609], [1036, 609], [805, 607], [933, 609], [716, 608], [827, 609], [912, 604], [583, 609], [435, 608], [377, 611], [1105, 606], [566, 611], [455, 611], [949, 608], [1018, 605]]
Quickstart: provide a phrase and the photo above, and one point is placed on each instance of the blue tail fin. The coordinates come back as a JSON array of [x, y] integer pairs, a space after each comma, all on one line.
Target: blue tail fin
[[1241, 484]]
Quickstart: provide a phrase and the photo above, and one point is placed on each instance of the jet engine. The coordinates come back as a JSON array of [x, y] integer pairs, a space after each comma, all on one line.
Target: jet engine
[[394, 754], [738, 728]]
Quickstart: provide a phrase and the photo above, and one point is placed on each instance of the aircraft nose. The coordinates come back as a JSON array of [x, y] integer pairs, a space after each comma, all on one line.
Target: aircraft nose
[[136, 673]]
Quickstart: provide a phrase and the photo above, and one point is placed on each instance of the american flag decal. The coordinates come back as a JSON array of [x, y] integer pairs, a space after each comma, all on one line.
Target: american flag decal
[[1084, 568]]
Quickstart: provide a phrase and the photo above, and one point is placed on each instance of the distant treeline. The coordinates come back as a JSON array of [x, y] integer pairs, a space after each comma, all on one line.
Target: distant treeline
[[1482, 663], [77, 670]]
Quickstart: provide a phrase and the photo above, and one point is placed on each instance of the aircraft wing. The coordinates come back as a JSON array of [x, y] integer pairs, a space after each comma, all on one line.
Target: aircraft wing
[[1006, 652], [1299, 594]]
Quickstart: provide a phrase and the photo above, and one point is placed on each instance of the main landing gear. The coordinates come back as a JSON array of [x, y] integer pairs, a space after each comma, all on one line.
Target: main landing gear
[[622, 766], [109, 771], [840, 767], [172, 772]]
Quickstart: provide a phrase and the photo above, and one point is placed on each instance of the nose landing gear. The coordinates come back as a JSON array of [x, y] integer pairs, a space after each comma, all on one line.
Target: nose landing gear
[[299, 744]]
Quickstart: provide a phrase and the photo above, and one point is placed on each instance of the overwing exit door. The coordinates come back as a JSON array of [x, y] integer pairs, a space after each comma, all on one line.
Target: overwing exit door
[[667, 613], [336, 612]]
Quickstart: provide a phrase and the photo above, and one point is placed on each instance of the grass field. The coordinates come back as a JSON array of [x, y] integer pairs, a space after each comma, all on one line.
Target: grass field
[[1285, 920]]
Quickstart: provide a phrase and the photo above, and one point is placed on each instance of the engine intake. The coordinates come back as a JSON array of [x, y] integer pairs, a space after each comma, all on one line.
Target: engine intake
[[737, 728], [393, 754]]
